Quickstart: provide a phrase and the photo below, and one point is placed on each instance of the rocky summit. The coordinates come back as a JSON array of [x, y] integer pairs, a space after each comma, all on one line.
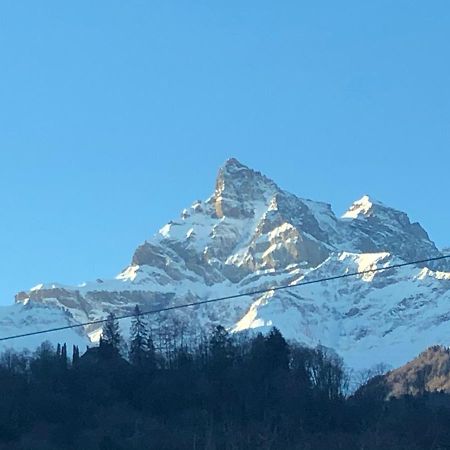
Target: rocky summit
[[251, 235]]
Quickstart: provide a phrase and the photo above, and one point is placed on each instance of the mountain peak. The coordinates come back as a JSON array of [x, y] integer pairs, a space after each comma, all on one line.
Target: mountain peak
[[233, 164], [239, 188], [383, 228]]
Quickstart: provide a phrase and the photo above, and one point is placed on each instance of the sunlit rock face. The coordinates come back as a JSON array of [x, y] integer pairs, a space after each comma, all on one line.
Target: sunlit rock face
[[376, 226], [239, 190], [249, 235]]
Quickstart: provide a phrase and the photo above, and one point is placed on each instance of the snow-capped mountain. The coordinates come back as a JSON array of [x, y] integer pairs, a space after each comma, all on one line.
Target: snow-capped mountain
[[249, 235]]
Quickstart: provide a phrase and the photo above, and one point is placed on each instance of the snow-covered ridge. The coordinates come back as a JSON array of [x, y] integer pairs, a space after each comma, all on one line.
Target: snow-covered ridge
[[251, 234]]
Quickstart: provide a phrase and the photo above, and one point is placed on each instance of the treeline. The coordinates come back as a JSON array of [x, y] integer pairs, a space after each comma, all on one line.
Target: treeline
[[218, 391]]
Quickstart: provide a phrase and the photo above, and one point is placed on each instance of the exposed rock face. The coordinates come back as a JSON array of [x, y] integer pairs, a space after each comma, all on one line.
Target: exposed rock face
[[238, 189], [377, 227], [250, 235]]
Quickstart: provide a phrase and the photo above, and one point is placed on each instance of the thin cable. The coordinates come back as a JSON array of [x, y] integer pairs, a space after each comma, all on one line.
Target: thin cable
[[230, 297]]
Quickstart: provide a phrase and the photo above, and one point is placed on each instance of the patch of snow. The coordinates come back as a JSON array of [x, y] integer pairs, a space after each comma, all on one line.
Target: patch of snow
[[165, 230], [358, 208], [129, 274], [37, 287]]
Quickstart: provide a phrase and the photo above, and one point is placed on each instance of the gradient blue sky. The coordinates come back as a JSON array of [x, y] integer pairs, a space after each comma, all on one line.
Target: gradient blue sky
[[116, 115]]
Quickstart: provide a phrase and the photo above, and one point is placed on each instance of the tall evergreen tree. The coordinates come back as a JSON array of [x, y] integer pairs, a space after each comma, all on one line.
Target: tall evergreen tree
[[138, 339], [64, 356], [111, 339], [150, 356], [277, 350], [75, 355]]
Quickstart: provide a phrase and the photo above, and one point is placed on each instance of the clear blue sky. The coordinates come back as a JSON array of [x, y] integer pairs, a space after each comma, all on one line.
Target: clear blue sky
[[116, 115]]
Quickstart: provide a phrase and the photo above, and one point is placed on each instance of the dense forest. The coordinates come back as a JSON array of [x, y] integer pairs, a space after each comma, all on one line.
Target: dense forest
[[215, 391]]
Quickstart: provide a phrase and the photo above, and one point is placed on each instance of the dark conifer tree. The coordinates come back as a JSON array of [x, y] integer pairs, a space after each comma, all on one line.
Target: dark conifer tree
[[138, 339], [64, 356], [150, 356], [111, 339], [221, 348], [75, 355], [258, 355], [277, 350], [42, 366]]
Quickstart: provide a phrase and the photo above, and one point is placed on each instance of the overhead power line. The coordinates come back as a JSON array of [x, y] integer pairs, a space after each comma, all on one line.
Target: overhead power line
[[231, 297]]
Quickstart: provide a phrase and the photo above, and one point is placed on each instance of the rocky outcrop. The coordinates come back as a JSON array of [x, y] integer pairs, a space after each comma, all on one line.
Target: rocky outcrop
[[378, 228], [238, 189]]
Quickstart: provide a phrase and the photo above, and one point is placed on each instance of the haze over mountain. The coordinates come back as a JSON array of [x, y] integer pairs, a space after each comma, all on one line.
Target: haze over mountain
[[249, 235]]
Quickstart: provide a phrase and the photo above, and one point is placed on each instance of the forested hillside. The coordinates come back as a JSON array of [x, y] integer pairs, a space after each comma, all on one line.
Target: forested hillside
[[219, 391]]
